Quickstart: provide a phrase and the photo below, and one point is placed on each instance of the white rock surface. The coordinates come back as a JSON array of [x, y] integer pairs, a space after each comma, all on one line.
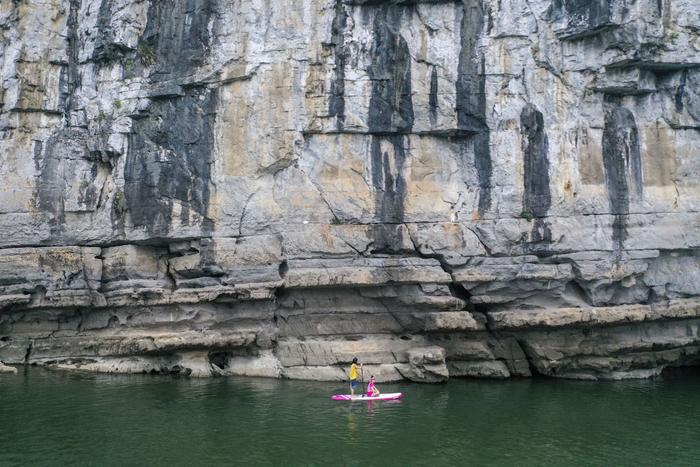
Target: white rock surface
[[7, 369]]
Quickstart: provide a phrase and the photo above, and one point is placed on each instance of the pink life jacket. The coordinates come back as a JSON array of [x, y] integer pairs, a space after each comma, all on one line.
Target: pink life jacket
[[370, 387]]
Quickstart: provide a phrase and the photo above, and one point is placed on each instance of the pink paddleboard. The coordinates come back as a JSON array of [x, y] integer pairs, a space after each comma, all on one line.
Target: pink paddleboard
[[389, 396]]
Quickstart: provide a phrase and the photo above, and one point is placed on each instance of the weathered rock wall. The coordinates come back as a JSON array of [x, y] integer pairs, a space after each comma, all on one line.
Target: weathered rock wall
[[485, 188]]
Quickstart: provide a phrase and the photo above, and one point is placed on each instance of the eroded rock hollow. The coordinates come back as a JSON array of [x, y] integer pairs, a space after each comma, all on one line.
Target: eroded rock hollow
[[443, 188]]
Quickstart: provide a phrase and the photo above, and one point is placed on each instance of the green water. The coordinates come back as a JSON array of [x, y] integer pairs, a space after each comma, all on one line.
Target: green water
[[50, 418]]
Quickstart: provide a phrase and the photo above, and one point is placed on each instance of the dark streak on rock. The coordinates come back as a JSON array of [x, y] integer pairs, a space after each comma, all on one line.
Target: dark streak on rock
[[536, 197], [49, 187], [169, 160], [471, 103], [37, 151], [387, 239], [28, 353], [391, 104], [88, 195], [171, 149], [433, 96], [619, 231], [482, 160], [336, 103], [72, 81], [104, 49], [390, 116], [622, 162], [681, 91], [471, 96], [489, 23], [177, 36], [389, 184], [582, 15], [57, 166], [540, 237]]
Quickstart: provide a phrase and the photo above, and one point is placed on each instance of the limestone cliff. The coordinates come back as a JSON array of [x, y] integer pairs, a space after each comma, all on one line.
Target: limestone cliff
[[486, 188]]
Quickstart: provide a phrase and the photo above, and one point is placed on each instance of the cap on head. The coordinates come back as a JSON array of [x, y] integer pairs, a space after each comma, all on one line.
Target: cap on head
[[354, 360]]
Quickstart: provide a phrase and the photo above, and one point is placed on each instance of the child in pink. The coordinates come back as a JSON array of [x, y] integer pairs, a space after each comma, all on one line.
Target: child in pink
[[372, 390]]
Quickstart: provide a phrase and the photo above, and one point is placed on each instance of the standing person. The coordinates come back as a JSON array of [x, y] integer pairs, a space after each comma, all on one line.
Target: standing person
[[353, 375]]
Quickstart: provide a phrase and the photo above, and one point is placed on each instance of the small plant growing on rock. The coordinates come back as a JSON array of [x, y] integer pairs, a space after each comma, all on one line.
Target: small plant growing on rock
[[527, 215], [101, 117], [118, 202], [672, 37], [147, 55], [337, 221], [117, 104], [128, 64]]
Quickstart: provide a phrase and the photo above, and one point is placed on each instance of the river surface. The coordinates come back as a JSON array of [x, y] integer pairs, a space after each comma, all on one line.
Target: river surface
[[55, 418]]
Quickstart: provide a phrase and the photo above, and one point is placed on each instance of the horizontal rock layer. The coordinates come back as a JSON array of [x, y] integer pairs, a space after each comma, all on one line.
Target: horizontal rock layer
[[453, 188]]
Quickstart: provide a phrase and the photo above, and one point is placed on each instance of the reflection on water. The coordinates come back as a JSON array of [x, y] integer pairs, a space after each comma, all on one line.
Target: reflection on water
[[50, 418]]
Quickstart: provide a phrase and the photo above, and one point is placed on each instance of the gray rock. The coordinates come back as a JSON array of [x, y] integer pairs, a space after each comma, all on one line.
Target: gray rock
[[427, 364], [465, 188]]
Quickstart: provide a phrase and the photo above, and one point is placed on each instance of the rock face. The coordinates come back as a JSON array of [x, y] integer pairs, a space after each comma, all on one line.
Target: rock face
[[442, 188]]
